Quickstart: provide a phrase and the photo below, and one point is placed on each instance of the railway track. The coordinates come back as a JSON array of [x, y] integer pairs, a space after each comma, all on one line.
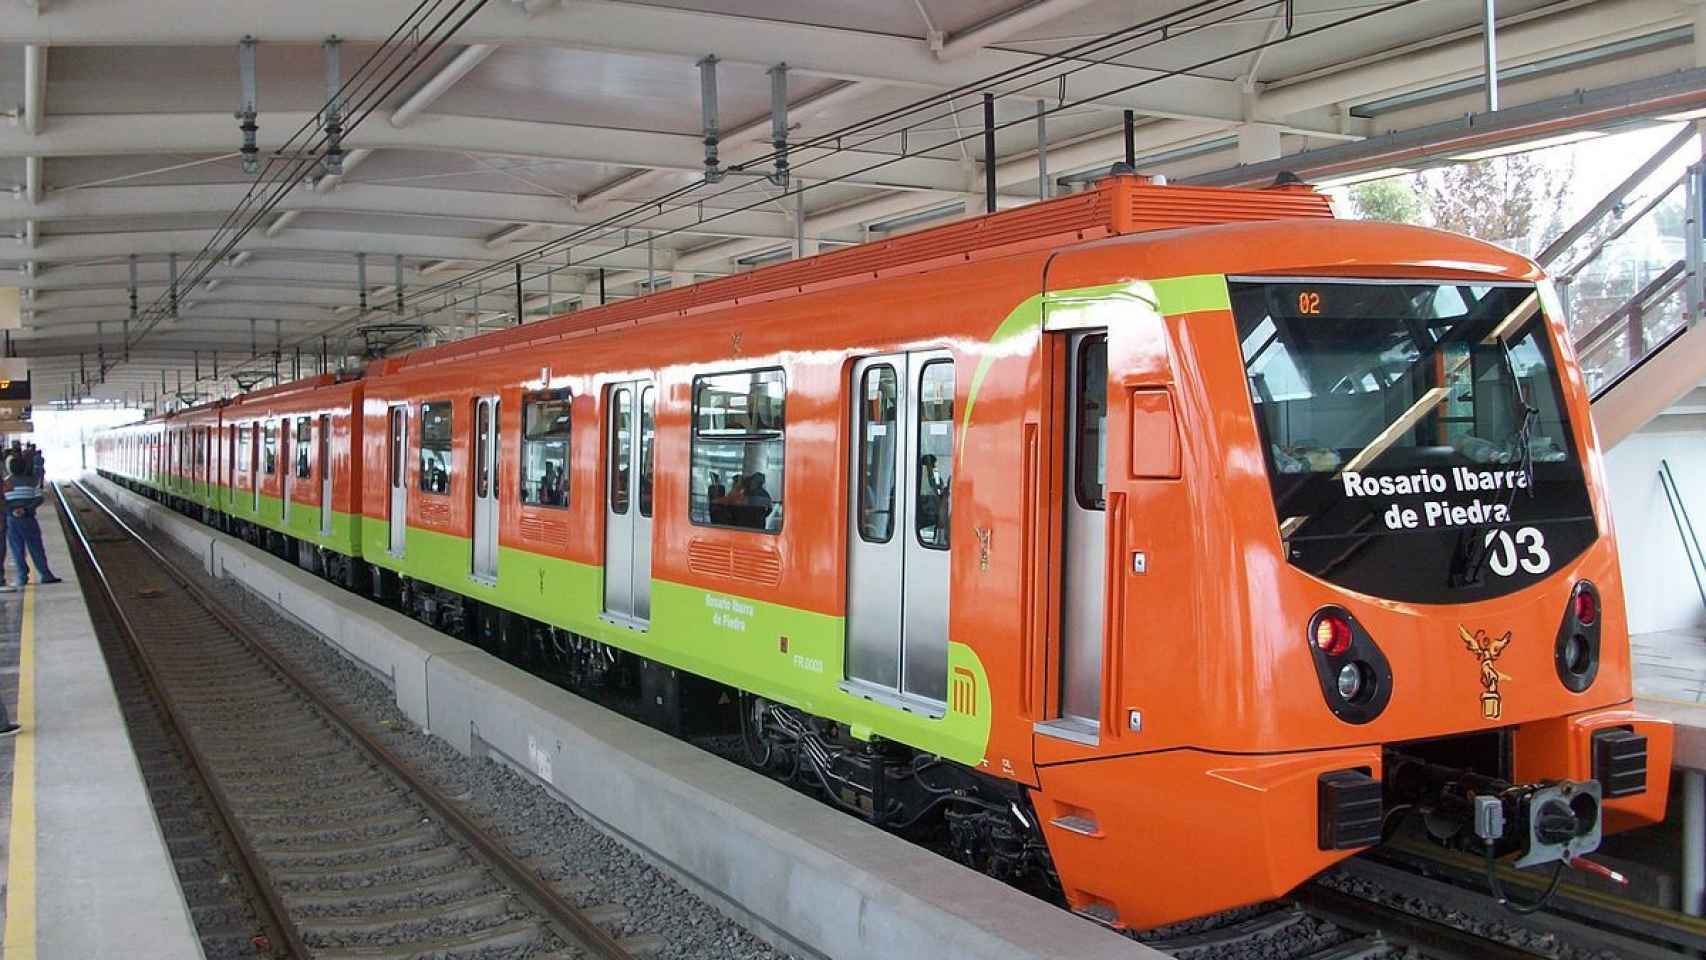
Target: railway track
[[1370, 910], [1576, 911], [344, 851], [223, 898]]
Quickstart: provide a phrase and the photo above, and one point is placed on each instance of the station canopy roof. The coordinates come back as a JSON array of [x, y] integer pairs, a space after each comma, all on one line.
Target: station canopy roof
[[471, 143]]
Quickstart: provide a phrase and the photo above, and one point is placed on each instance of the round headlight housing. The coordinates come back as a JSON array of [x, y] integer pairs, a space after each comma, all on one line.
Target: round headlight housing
[[1350, 681]]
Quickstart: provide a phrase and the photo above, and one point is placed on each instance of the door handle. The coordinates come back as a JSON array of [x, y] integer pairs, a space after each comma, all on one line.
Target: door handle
[[1113, 651]]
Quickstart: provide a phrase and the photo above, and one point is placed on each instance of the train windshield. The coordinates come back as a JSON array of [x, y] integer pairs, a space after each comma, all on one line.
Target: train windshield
[[1417, 442]]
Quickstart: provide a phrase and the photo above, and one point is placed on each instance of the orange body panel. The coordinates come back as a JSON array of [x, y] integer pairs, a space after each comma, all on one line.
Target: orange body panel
[[282, 406]]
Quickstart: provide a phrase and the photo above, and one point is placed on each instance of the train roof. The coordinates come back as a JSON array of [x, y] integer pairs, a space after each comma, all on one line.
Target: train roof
[[1116, 206]]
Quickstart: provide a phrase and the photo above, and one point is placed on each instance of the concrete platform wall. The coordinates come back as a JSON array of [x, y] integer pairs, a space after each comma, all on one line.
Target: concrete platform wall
[[1658, 587], [816, 879]]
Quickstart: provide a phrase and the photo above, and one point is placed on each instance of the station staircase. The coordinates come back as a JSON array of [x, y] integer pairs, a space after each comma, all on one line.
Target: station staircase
[[1629, 273]]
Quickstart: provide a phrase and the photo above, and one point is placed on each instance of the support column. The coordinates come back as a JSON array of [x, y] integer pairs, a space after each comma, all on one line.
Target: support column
[[1694, 843], [1258, 142]]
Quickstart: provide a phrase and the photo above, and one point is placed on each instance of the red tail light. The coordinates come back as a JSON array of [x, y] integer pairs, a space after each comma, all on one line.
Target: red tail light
[[1332, 634], [1587, 606]]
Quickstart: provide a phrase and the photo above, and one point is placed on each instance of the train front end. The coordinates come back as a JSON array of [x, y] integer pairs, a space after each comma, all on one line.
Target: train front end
[[1401, 602]]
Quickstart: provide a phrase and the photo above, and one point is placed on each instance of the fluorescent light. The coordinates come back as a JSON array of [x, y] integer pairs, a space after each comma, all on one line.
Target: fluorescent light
[[1350, 179]]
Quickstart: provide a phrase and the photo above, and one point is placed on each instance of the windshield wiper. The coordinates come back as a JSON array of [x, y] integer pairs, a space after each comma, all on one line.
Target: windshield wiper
[[1471, 554]]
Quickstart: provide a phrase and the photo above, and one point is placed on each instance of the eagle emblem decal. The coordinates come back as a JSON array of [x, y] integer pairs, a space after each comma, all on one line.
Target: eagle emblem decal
[[1487, 648]]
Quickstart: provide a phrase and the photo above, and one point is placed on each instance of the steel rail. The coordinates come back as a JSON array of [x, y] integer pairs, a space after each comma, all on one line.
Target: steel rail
[[1587, 938], [1434, 938], [1594, 906], [271, 908], [569, 921]]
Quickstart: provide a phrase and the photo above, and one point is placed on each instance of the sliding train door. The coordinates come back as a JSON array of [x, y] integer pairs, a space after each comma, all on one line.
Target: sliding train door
[[1084, 529], [486, 446], [286, 469], [902, 434], [628, 500], [324, 459]]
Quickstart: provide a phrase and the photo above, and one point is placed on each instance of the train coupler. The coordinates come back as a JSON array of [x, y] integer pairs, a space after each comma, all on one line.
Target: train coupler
[[1541, 822]]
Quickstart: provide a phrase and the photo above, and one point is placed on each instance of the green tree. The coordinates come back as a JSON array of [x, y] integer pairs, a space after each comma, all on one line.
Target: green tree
[[1513, 200], [1392, 199]]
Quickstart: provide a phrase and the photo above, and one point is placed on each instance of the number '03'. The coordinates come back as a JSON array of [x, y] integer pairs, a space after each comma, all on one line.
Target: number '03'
[[1527, 549]]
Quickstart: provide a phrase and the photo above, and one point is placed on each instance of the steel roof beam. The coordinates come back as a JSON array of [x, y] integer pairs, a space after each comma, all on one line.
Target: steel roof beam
[[809, 49], [351, 242], [440, 83], [210, 133], [373, 199]]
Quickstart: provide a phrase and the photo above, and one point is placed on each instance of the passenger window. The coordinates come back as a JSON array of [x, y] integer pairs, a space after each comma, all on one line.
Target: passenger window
[[545, 423], [436, 435], [648, 435], [303, 434], [879, 446], [935, 453], [621, 448], [269, 448], [396, 445], [736, 477], [482, 450], [1091, 415]]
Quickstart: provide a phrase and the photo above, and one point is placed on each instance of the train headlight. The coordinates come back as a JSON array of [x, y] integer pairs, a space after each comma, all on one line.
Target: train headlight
[[1577, 655], [1576, 650], [1587, 607], [1350, 681], [1356, 678], [1333, 634]]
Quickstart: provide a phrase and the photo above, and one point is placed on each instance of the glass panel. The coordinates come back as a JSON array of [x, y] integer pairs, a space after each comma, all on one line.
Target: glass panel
[[436, 424], [1091, 421], [648, 433], [269, 448], [482, 449], [304, 428], [879, 448], [621, 448], [1404, 424], [545, 449], [737, 444], [935, 453], [396, 447]]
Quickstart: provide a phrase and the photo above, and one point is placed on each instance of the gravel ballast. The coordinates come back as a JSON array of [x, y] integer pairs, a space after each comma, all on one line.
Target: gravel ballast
[[591, 867]]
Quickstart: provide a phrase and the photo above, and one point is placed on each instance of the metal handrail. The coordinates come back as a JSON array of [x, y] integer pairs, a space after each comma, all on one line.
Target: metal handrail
[[1616, 234], [1660, 288], [1609, 203], [1685, 275]]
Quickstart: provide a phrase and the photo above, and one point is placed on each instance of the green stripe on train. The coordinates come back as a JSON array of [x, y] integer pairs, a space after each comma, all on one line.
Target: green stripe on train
[[784, 653]]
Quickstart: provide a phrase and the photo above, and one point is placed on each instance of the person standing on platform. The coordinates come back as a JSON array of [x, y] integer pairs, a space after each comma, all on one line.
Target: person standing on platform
[[23, 532]]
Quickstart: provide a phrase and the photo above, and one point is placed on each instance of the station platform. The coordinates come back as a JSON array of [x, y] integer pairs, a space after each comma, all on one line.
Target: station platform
[[805, 876], [1670, 682], [88, 875]]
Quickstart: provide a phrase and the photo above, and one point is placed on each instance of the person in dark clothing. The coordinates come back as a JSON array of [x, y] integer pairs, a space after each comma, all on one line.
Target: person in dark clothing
[[758, 502], [23, 533]]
